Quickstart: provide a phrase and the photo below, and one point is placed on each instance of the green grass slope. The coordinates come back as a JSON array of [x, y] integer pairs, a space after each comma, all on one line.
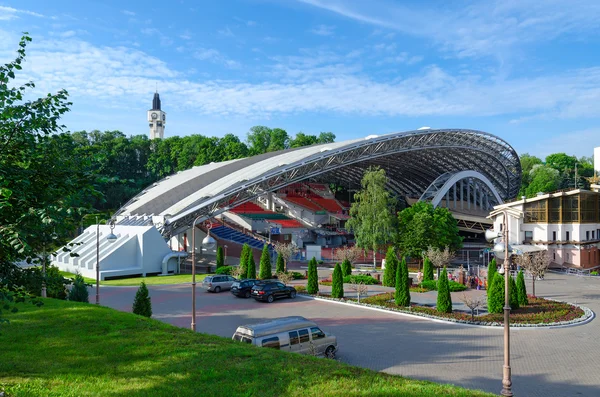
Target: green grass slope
[[76, 349]]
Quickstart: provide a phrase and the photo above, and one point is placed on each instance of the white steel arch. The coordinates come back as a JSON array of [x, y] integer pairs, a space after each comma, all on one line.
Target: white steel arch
[[442, 185]]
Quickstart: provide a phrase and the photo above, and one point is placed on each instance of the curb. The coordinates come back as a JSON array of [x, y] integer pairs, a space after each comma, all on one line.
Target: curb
[[588, 314]]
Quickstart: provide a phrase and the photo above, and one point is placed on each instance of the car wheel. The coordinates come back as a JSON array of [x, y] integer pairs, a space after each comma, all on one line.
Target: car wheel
[[270, 299], [247, 294], [293, 294], [217, 289], [330, 352]]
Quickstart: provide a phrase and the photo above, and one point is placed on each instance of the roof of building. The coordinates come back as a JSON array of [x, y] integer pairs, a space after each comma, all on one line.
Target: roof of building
[[544, 196], [413, 160]]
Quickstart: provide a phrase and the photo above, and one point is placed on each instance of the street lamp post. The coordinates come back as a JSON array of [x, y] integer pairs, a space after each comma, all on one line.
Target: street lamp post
[[225, 256], [111, 239], [207, 242]]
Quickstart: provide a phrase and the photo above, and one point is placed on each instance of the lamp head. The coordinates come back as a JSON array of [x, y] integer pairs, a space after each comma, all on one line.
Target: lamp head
[[498, 248], [111, 237], [208, 242]]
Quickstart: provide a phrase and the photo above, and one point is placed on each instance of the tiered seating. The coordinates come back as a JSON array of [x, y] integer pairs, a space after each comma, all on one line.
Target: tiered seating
[[248, 208], [303, 202], [288, 223], [227, 233], [329, 204]]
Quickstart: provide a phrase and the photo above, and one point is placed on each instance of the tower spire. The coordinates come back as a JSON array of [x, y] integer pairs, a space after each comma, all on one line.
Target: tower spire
[[156, 101]]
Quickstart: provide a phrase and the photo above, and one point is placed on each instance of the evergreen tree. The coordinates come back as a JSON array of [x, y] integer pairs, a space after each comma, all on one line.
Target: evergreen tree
[[79, 291], [496, 295], [444, 300], [492, 270], [312, 287], [244, 259], [427, 270], [337, 287], [251, 272], [346, 268], [391, 263], [402, 295], [220, 257], [265, 264], [280, 264], [141, 303], [514, 294], [521, 289]]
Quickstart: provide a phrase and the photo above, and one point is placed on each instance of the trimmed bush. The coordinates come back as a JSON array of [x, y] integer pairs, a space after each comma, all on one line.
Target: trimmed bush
[[444, 300], [521, 289], [346, 268], [265, 264], [337, 287], [244, 258], [453, 286], [220, 257], [224, 270], [402, 296], [280, 264], [514, 294], [79, 292], [427, 270], [492, 270], [312, 287], [496, 295], [142, 304], [298, 276], [251, 265], [391, 263], [360, 278]]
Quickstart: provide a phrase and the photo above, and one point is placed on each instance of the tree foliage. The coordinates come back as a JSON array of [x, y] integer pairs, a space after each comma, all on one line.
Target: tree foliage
[[421, 226], [521, 289], [265, 264], [220, 257], [337, 286], [372, 218], [444, 299], [79, 291], [280, 264], [348, 254], [427, 270], [402, 295], [544, 179], [492, 270], [244, 257], [142, 304], [536, 264], [439, 257], [513, 294], [251, 265], [496, 294], [346, 268], [312, 287], [391, 264], [285, 251]]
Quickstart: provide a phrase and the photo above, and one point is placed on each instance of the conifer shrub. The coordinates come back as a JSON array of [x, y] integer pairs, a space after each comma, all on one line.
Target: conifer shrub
[[389, 273], [79, 291], [346, 268], [265, 264], [251, 265], [444, 300], [402, 295], [224, 270], [280, 264], [514, 294], [496, 294], [521, 289], [427, 270], [244, 258], [337, 287], [492, 270], [220, 257], [312, 287], [142, 304]]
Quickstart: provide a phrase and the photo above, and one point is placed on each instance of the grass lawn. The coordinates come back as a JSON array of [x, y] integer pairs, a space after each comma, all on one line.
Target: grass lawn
[[152, 280], [76, 349]]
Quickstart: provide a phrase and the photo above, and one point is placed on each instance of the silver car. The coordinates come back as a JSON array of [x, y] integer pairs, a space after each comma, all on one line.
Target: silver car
[[218, 283]]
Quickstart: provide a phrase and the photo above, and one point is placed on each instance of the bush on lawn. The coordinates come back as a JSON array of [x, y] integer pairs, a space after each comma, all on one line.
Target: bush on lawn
[[312, 287], [79, 292], [337, 287], [521, 289], [300, 289], [427, 270], [496, 294], [444, 300], [391, 264], [280, 264], [346, 268], [402, 296], [298, 276], [220, 257], [142, 304], [265, 264], [360, 278], [453, 286], [251, 265], [224, 270]]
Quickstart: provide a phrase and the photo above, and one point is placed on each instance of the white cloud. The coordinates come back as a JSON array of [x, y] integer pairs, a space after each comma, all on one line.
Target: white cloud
[[578, 143], [186, 35], [130, 13], [68, 33], [214, 56], [225, 32], [164, 40], [323, 30], [9, 13]]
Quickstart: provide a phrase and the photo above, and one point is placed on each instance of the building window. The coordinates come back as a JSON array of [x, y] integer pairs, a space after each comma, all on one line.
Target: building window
[[535, 212], [568, 237], [570, 209], [593, 234], [553, 256], [588, 208], [553, 236], [555, 210], [528, 237], [587, 235]]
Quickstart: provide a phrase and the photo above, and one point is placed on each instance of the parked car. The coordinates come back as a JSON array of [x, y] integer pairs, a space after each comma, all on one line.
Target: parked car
[[271, 290], [243, 288], [293, 334], [218, 283]]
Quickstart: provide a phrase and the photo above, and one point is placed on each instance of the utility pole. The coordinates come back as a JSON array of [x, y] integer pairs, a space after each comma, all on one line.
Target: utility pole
[[575, 175]]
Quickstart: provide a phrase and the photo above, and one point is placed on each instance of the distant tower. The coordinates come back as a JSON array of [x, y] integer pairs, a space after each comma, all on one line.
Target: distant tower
[[156, 119]]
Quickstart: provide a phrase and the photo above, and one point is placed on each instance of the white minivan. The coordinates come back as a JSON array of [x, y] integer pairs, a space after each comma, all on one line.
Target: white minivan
[[292, 334]]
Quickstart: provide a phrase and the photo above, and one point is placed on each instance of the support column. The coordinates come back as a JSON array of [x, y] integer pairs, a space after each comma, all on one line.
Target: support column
[[462, 201], [454, 193], [469, 194], [447, 198]]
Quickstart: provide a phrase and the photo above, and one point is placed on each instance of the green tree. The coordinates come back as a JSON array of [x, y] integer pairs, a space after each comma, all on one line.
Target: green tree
[[391, 263], [372, 220], [346, 268], [312, 287], [280, 264], [326, 137], [444, 299], [496, 295], [244, 257], [427, 270], [251, 272], [142, 304], [79, 291], [491, 272], [220, 257], [421, 226], [402, 295], [337, 286], [527, 163], [521, 289], [544, 179], [301, 139], [514, 294], [265, 264]]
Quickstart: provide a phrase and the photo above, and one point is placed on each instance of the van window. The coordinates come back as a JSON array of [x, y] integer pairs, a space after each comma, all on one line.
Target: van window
[[303, 335], [317, 333], [294, 340], [242, 338], [271, 342]]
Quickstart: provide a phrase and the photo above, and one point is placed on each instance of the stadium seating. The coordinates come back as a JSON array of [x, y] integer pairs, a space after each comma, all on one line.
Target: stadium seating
[[303, 202], [227, 233], [288, 223], [329, 205]]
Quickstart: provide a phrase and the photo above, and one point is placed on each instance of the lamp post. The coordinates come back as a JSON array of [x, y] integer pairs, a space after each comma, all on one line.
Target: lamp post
[[111, 239], [225, 256], [207, 242]]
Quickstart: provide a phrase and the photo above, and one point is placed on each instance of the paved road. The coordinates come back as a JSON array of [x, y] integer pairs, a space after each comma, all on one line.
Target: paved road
[[546, 363]]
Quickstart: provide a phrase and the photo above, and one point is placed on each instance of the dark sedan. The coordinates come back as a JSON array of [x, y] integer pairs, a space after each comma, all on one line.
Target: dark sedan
[[271, 290], [243, 288]]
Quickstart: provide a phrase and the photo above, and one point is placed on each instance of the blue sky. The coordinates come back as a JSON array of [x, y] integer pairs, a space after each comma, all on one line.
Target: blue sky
[[527, 71]]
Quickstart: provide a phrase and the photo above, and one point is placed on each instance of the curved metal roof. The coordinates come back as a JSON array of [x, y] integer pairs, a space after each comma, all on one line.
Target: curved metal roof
[[412, 160]]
